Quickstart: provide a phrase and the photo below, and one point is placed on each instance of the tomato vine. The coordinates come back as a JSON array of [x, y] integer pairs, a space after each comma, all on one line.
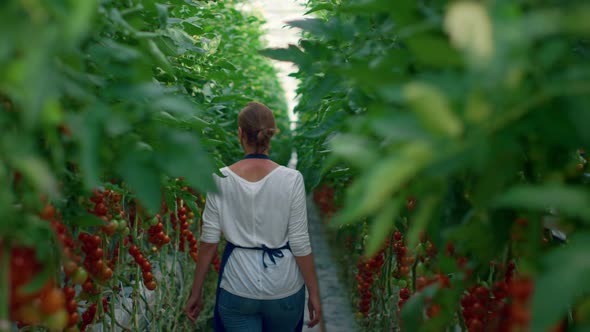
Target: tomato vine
[[456, 125]]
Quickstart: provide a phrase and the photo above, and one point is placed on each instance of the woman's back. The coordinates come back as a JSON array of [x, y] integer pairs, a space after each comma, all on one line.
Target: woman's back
[[267, 212]]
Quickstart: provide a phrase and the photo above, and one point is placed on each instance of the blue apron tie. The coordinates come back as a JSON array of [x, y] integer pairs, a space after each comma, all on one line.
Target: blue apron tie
[[229, 248]]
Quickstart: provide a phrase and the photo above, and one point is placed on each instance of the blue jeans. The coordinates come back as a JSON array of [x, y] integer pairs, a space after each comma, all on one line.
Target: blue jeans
[[241, 314]]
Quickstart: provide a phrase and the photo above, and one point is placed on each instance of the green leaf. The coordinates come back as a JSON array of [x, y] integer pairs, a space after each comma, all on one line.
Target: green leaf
[[162, 14], [433, 51], [433, 109], [291, 54], [38, 172], [189, 199], [180, 154], [382, 225], [38, 281], [354, 149], [420, 222], [568, 200], [159, 57], [79, 19], [322, 6], [312, 25], [183, 41], [140, 173], [569, 267], [88, 220], [88, 128], [379, 182]]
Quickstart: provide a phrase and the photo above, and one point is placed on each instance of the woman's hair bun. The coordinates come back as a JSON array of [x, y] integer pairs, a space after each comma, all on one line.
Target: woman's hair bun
[[265, 134], [258, 125]]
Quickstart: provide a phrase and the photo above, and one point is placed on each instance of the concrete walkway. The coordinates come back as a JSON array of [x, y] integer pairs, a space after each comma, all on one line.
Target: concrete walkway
[[338, 315]]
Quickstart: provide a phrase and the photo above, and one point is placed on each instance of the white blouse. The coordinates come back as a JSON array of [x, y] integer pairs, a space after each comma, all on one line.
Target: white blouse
[[271, 212]]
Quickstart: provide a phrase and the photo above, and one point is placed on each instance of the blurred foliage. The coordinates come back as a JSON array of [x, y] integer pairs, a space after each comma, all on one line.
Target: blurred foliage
[[132, 92], [125, 90], [477, 109]]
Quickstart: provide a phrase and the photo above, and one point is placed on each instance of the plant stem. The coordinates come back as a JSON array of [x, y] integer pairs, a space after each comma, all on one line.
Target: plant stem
[[5, 287]]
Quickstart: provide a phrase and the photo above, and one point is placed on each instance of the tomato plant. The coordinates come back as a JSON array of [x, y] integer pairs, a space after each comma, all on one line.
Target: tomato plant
[[113, 116], [453, 141]]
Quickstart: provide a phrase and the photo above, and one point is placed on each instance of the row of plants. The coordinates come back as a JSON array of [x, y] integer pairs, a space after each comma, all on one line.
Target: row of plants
[[445, 142], [114, 115]]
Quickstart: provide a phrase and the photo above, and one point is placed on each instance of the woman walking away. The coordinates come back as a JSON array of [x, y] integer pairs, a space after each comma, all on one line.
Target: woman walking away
[[260, 209]]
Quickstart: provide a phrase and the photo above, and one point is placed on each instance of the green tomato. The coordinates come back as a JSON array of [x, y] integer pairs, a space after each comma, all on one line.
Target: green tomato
[[80, 276], [154, 221], [402, 283], [125, 231], [57, 321], [121, 225]]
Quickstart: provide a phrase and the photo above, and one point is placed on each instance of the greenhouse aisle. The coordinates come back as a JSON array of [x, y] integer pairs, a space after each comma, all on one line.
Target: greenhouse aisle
[[338, 315]]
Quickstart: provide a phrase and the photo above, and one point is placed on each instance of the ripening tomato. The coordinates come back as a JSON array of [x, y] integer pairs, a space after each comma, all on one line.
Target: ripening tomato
[[29, 314], [99, 265], [48, 212], [151, 285], [404, 270], [110, 228], [70, 268], [107, 273], [52, 301]]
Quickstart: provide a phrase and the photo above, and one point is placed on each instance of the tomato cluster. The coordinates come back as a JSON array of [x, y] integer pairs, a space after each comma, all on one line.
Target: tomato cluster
[[156, 233], [324, 198], [404, 259], [94, 261], [185, 218], [45, 306], [145, 265], [367, 271]]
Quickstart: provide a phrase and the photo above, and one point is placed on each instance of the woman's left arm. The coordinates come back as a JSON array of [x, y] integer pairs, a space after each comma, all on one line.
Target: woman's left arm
[[194, 304]]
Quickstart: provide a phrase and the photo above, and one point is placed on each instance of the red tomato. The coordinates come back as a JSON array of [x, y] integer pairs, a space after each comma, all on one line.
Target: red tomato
[[404, 293], [74, 318], [147, 276], [69, 293], [475, 325], [146, 266], [72, 305]]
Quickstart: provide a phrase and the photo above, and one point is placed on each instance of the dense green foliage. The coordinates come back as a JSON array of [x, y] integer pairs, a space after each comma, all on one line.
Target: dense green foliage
[[477, 109], [135, 93]]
